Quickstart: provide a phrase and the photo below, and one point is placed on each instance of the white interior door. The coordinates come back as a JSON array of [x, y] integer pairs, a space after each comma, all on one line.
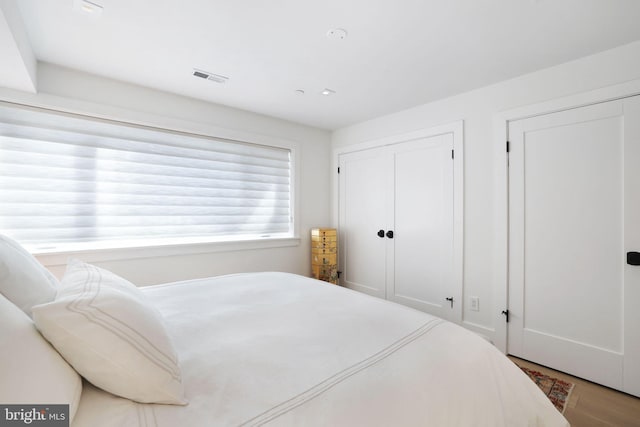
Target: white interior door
[[405, 188], [363, 203], [573, 213], [420, 273]]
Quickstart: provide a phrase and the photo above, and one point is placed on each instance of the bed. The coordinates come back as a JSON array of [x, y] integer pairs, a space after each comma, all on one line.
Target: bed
[[255, 349]]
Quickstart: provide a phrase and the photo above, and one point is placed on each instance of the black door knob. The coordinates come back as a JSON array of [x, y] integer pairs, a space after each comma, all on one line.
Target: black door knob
[[390, 234], [381, 233], [633, 258]]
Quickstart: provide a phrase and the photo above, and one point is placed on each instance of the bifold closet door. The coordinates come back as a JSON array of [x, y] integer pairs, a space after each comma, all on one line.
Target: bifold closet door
[[574, 213]]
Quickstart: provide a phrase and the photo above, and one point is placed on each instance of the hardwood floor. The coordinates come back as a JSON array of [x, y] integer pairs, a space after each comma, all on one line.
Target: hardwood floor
[[592, 405]]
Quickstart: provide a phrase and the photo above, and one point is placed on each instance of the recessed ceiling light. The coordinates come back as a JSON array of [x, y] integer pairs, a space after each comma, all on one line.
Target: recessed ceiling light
[[300, 92], [327, 92], [87, 7]]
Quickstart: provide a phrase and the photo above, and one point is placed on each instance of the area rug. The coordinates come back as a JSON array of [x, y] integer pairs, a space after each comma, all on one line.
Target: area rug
[[557, 390]]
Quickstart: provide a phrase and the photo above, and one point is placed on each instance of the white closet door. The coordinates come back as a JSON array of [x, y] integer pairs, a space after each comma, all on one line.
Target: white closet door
[[364, 201], [573, 213], [405, 188], [421, 267]]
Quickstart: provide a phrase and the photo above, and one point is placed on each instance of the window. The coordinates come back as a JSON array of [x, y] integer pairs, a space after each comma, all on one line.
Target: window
[[78, 182]]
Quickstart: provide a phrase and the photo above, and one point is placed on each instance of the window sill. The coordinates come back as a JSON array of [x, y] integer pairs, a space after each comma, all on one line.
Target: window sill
[[60, 257]]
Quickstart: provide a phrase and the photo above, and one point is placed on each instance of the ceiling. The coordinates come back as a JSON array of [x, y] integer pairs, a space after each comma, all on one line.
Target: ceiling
[[397, 54]]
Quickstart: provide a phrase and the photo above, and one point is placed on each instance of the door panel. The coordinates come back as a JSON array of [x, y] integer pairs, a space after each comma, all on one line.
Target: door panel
[[631, 362], [566, 236], [363, 204], [573, 230], [422, 275]]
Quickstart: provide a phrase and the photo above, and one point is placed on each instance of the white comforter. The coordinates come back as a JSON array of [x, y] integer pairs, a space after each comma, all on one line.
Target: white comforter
[[283, 350]]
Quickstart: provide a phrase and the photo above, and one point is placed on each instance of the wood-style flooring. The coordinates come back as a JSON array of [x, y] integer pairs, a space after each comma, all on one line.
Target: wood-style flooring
[[593, 405]]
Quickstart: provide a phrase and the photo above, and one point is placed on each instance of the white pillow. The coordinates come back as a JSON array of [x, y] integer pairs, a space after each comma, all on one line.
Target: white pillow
[[103, 326], [23, 280], [31, 371]]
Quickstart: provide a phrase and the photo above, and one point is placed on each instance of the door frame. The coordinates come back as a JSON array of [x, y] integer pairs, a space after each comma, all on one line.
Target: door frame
[[457, 130], [501, 184]]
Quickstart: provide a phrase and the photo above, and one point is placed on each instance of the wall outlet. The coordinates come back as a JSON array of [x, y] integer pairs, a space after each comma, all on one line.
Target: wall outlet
[[475, 303]]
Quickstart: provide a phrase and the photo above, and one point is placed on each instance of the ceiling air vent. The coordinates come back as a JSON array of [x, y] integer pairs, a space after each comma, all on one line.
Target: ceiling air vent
[[210, 76]]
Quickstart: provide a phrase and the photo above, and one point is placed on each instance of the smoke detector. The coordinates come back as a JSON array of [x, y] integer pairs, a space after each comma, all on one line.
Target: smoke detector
[[209, 76], [337, 34]]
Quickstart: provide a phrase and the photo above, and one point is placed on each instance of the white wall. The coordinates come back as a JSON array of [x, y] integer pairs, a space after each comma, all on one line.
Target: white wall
[[19, 65], [75, 91], [478, 108]]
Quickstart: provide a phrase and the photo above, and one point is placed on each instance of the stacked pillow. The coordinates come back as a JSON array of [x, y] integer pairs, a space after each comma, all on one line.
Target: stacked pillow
[[101, 325], [104, 327], [32, 371], [23, 280]]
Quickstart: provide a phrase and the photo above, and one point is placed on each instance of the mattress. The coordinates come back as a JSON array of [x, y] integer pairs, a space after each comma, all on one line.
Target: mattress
[[279, 349]]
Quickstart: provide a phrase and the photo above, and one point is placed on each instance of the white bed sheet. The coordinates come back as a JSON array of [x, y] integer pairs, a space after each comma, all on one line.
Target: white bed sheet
[[283, 350]]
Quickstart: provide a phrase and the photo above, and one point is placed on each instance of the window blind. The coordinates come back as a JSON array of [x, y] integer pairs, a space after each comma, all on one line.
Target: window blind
[[70, 179]]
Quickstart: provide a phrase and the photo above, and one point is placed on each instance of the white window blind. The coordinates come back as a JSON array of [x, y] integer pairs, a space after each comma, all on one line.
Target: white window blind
[[68, 179]]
